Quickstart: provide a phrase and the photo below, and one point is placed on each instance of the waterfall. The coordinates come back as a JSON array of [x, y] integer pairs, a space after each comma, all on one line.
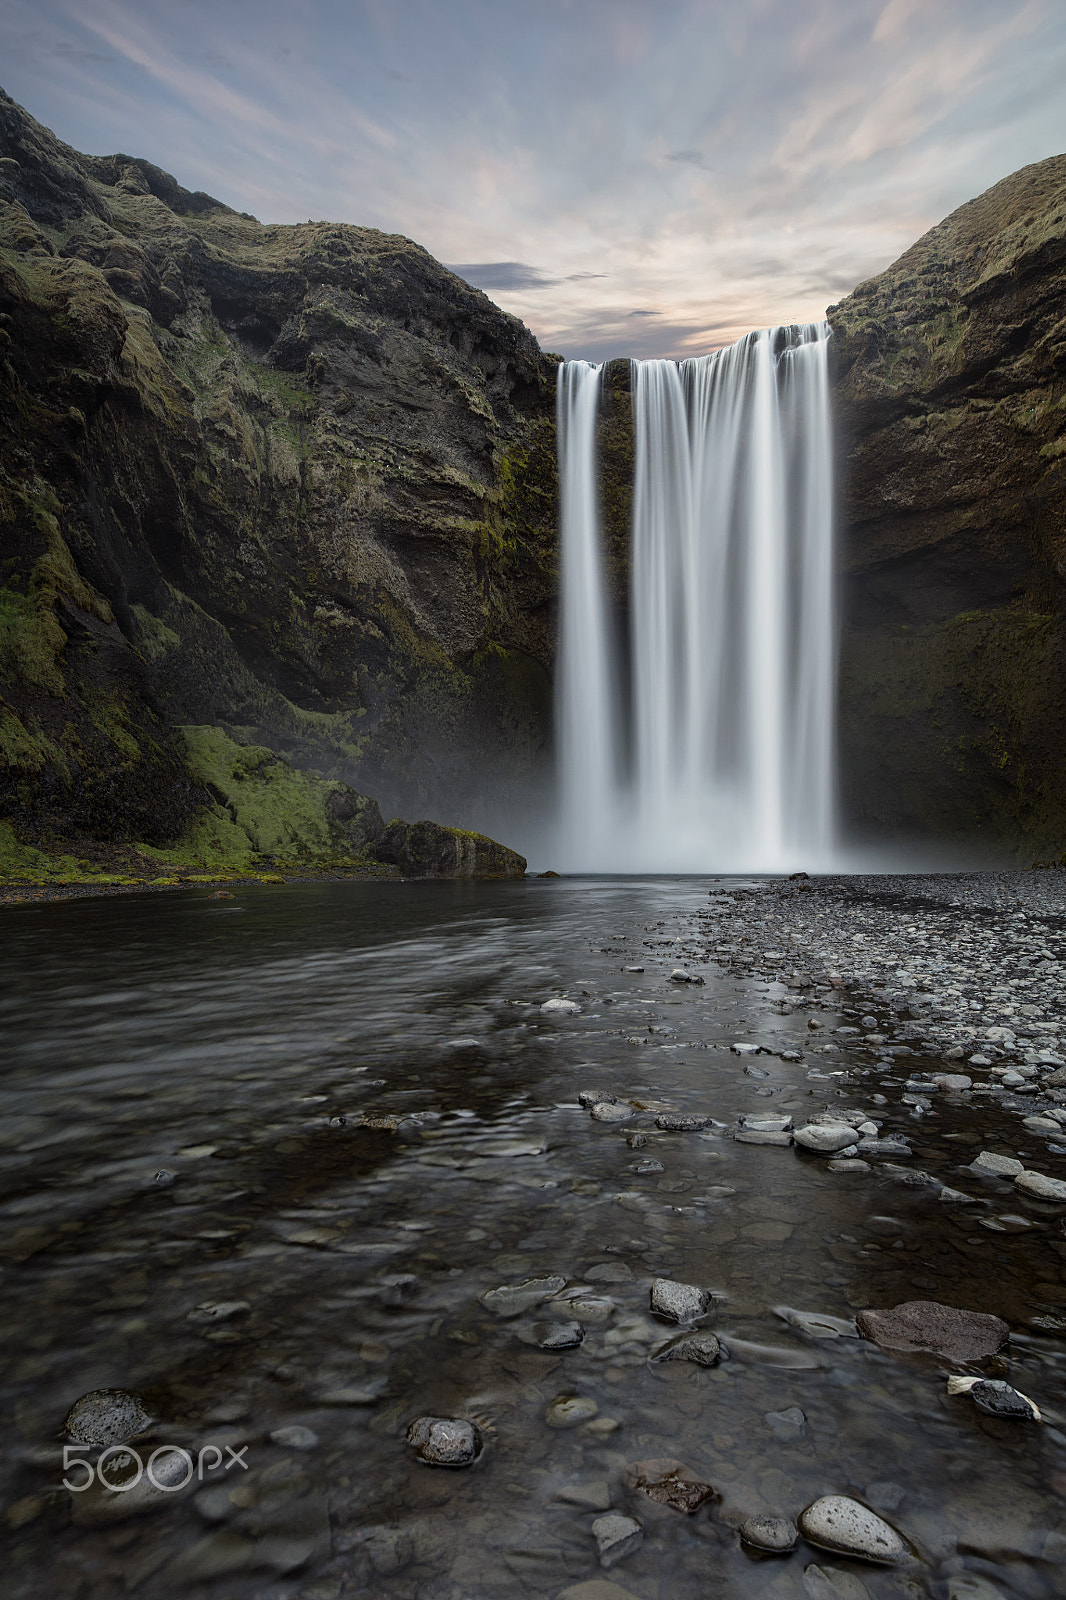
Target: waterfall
[[703, 736]]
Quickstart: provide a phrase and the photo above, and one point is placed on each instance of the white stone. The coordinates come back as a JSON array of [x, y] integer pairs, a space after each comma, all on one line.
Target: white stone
[[836, 1522], [616, 1537], [560, 1007], [1041, 1188], [990, 1165], [826, 1140]]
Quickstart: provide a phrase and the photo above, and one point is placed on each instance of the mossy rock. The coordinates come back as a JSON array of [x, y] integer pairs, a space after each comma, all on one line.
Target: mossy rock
[[428, 850]]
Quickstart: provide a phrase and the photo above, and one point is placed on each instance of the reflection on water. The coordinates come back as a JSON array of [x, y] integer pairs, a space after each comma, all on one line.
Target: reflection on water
[[259, 1160]]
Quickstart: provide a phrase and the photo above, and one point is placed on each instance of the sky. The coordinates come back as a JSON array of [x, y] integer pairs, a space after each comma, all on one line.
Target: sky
[[630, 177]]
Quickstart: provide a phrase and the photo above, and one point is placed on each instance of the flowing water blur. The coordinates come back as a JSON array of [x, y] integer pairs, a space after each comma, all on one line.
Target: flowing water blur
[[340, 1110], [724, 749]]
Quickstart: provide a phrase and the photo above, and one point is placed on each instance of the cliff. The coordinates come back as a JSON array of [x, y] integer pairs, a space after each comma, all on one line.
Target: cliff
[[949, 374], [294, 484]]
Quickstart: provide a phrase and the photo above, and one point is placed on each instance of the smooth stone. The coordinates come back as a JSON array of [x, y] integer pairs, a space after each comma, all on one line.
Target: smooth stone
[[774, 1535], [836, 1522], [956, 1081], [295, 1437], [957, 1197], [741, 1049], [679, 1302], [445, 1441], [616, 1537], [595, 1097], [1040, 1187], [592, 1496], [560, 1008], [928, 1325], [569, 1411], [512, 1299], [107, 1416], [884, 1147], [594, 1310], [788, 1426], [558, 1335], [668, 1483], [678, 1124], [825, 1140], [760, 1124], [99, 1506], [756, 1136], [833, 1583], [847, 1164], [702, 1348], [999, 1399], [680, 976], [611, 1111], [612, 1271], [1041, 1125], [218, 1310]]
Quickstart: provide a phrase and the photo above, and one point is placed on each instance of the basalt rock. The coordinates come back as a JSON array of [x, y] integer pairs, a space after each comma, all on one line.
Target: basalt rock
[[292, 483], [947, 373]]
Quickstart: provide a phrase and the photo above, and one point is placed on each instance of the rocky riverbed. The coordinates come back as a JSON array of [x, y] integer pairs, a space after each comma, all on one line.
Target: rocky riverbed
[[528, 1239]]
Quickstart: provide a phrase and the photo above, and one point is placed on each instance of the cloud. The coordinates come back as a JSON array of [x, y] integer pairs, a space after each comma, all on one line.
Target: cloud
[[731, 166], [504, 276]]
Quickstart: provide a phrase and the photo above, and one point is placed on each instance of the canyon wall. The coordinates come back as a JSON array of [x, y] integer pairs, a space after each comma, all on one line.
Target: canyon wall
[[949, 374], [295, 483]]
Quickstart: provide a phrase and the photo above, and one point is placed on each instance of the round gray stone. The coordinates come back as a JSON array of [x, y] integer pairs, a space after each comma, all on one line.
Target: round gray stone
[[825, 1140], [107, 1416], [775, 1535], [445, 1441]]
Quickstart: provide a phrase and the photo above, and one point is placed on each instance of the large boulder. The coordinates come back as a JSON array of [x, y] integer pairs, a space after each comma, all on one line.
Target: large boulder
[[429, 850]]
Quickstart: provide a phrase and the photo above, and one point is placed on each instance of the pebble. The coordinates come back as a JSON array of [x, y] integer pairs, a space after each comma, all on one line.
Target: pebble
[[928, 1325], [295, 1437], [848, 1164], [558, 1335], [835, 1522], [999, 1399], [825, 1140], [668, 1483], [788, 1426], [511, 1300], [1040, 1187], [702, 1348], [678, 1302], [680, 976], [445, 1441], [569, 1411], [833, 1583], [763, 1124], [645, 1167], [781, 1140], [953, 1081], [592, 1496], [616, 1537], [672, 1123], [595, 1097], [107, 1416], [611, 1111], [774, 1535], [560, 1008]]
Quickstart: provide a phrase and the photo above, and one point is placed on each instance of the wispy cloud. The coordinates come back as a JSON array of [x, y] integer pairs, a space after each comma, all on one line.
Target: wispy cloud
[[716, 168]]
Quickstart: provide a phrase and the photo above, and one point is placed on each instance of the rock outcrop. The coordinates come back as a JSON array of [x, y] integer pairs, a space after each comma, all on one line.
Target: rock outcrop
[[950, 389], [292, 483]]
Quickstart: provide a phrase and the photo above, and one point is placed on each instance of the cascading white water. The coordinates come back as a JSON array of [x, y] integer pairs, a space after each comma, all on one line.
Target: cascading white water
[[720, 753]]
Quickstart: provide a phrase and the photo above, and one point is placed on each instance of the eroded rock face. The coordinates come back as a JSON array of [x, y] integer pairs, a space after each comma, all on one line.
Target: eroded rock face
[[927, 1325], [296, 481], [947, 370]]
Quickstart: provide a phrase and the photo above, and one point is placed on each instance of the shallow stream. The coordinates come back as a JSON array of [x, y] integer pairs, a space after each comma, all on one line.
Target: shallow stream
[[260, 1157]]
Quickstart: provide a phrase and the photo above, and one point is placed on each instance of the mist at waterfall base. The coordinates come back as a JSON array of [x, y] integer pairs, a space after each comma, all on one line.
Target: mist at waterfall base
[[695, 721]]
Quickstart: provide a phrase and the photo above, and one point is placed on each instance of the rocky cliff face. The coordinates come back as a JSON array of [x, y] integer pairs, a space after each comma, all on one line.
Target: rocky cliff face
[[950, 388], [293, 483]]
